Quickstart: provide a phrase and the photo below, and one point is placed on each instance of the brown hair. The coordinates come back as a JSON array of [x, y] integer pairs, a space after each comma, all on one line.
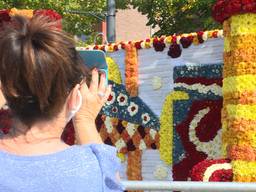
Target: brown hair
[[38, 67]]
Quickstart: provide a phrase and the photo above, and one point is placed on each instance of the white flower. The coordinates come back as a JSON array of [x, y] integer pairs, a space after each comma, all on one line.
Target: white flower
[[122, 99], [106, 48], [152, 133], [131, 129], [160, 172], [120, 144], [178, 39], [111, 98], [211, 148], [210, 170], [145, 118], [156, 82], [220, 34], [108, 124], [114, 110], [119, 46], [142, 44], [142, 145], [213, 88], [133, 109], [205, 36]]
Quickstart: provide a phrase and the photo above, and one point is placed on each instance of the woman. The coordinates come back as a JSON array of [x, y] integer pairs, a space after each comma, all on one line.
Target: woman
[[43, 82]]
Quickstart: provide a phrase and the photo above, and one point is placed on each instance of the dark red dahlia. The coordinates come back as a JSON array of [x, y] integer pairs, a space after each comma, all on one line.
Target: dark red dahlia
[[158, 45], [186, 41], [174, 50]]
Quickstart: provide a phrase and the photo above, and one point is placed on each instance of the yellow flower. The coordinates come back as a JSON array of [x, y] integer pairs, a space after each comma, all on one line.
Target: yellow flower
[[239, 83], [114, 72], [122, 157], [244, 171], [243, 24], [166, 129], [247, 112]]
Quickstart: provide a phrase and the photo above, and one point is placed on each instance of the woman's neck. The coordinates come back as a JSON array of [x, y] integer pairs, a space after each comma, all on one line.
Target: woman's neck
[[41, 138]]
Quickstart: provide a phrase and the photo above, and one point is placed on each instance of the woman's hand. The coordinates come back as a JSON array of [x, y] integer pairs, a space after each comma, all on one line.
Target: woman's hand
[[94, 98]]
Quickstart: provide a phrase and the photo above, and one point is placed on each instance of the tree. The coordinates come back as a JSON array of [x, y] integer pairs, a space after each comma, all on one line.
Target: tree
[[172, 16], [177, 16]]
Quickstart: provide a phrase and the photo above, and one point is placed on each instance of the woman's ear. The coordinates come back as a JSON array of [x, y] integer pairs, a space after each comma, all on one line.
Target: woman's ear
[[73, 98]]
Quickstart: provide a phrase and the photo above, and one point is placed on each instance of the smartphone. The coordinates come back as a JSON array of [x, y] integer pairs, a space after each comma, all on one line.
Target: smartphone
[[95, 59]]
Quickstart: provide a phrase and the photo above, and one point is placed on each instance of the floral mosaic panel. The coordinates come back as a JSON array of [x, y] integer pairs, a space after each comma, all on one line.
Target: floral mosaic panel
[[131, 109], [197, 121]]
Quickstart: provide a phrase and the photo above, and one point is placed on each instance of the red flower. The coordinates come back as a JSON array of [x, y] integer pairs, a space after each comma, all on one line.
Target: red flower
[[200, 36], [158, 45], [115, 48], [215, 34], [186, 41], [68, 135], [4, 16], [174, 39], [148, 40], [123, 45], [224, 9], [174, 51], [103, 48], [138, 45], [54, 16], [220, 175], [5, 121]]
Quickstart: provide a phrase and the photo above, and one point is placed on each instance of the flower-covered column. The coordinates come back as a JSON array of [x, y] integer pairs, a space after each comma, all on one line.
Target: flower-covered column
[[239, 85]]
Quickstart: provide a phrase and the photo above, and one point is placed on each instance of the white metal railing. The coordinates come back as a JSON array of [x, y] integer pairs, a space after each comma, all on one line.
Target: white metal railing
[[190, 186]]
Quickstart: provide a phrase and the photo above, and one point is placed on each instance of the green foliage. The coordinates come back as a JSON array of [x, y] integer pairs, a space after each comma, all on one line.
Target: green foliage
[[177, 16]]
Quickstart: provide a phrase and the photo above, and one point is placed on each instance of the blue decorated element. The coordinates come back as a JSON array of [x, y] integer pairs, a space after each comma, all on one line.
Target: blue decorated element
[[209, 71], [131, 109]]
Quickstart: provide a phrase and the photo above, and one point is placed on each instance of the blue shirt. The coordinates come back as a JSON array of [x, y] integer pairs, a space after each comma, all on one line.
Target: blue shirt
[[85, 168]]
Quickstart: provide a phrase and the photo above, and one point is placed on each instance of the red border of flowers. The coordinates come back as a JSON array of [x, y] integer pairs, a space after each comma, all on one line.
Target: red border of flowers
[[223, 9]]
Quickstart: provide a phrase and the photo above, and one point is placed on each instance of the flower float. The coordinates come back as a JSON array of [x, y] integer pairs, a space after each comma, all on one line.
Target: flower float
[[239, 85]]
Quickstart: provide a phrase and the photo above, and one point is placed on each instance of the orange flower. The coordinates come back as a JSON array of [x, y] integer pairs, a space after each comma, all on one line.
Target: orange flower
[[131, 70], [23, 12]]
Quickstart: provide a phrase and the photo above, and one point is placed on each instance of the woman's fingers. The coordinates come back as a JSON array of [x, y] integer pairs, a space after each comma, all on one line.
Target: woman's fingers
[[107, 92], [102, 84], [95, 81]]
